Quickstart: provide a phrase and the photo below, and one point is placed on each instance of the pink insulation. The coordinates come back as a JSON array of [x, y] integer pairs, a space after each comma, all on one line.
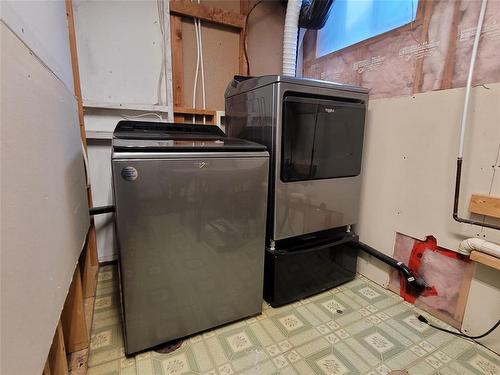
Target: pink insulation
[[444, 273], [389, 64]]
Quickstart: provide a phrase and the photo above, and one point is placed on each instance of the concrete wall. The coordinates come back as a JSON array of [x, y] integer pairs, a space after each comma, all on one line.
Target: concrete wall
[[44, 203]]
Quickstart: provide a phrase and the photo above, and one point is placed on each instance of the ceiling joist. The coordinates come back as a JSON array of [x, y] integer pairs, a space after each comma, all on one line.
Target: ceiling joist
[[207, 13]]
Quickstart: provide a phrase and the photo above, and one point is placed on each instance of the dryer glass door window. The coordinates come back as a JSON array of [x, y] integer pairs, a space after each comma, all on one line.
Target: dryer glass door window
[[321, 139]]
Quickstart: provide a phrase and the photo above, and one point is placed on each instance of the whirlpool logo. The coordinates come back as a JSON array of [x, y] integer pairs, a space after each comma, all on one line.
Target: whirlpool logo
[[329, 110], [129, 173]]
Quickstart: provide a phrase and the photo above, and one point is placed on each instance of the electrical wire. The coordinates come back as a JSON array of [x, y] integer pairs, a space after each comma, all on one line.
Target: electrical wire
[[202, 63], [161, 21], [245, 34], [424, 320], [197, 65], [127, 117]]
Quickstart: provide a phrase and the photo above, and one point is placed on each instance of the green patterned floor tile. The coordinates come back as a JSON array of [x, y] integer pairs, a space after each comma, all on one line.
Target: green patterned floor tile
[[263, 368], [357, 328], [122, 366], [422, 368], [106, 344]]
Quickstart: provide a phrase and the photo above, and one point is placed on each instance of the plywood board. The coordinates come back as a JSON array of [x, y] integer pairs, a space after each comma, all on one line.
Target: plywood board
[[44, 203]]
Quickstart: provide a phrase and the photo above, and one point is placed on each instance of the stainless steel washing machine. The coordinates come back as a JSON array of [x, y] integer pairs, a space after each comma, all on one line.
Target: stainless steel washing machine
[[191, 216]]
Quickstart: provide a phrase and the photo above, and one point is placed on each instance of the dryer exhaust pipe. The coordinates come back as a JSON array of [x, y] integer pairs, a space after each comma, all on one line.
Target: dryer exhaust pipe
[[290, 37], [414, 284]]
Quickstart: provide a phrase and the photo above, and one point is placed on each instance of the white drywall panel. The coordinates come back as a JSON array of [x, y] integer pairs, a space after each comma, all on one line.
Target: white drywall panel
[[120, 51], [408, 183], [99, 153], [44, 204], [410, 163], [43, 27]]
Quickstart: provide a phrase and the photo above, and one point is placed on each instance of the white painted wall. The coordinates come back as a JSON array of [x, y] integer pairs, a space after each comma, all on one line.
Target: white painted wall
[[42, 25], [99, 153], [120, 58], [409, 175], [43, 195], [120, 52]]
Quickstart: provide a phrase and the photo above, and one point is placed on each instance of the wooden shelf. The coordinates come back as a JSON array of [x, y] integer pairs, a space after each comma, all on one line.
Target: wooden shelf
[[486, 259], [485, 205], [184, 114], [126, 106], [98, 134], [194, 111]]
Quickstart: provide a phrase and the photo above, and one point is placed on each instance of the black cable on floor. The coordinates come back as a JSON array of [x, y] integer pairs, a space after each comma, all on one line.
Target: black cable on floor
[[424, 320]]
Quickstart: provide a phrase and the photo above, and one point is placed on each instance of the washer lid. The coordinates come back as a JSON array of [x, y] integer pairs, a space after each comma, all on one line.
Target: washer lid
[[144, 136]]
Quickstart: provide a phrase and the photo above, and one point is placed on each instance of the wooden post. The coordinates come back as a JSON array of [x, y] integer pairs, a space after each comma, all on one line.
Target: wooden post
[[46, 369], [449, 62], [90, 264], [57, 362], [75, 68], [177, 60], [73, 317], [463, 293], [419, 65], [91, 246]]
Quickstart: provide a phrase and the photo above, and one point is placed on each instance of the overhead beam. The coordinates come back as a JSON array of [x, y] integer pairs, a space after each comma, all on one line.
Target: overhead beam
[[207, 13]]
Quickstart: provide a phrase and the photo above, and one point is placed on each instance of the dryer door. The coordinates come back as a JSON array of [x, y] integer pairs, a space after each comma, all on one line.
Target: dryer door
[[321, 152]]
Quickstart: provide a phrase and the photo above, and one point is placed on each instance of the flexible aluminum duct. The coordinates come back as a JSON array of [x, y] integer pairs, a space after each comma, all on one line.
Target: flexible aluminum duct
[[290, 37]]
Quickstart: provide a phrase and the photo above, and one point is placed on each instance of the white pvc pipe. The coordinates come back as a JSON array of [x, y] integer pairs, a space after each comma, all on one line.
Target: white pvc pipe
[[466, 246], [469, 77], [290, 37]]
